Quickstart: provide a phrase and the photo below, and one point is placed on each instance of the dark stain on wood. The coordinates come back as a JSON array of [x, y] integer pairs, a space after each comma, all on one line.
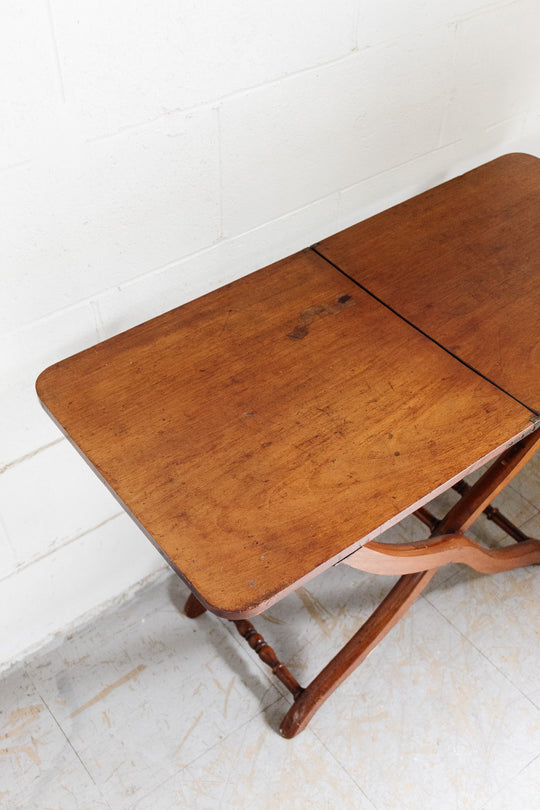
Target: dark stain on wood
[[307, 316]]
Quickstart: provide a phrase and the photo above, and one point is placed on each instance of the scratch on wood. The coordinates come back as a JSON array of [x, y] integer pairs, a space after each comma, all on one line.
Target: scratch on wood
[[108, 689]]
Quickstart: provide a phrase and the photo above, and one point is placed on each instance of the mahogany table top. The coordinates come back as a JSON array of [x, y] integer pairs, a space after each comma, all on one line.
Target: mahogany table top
[[462, 263], [265, 431]]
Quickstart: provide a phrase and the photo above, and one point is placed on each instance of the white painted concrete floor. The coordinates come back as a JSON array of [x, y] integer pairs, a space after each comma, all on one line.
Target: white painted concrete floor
[[144, 708]]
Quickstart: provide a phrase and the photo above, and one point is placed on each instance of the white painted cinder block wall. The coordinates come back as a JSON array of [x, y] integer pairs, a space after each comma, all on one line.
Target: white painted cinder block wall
[[151, 151]]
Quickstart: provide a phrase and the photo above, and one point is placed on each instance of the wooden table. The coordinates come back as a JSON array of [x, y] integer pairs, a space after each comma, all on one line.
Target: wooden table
[[277, 426]]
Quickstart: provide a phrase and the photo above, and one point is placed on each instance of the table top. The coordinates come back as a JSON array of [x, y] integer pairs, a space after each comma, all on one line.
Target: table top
[[462, 263], [268, 429], [265, 431]]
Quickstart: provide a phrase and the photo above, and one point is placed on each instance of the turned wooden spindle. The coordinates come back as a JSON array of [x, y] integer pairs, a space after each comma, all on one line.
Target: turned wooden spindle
[[194, 608], [268, 656], [425, 517]]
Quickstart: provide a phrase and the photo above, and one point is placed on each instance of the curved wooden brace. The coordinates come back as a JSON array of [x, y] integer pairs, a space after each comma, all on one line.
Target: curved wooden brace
[[397, 602], [424, 555]]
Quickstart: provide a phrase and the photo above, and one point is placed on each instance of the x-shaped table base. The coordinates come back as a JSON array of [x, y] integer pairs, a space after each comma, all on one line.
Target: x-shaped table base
[[416, 563]]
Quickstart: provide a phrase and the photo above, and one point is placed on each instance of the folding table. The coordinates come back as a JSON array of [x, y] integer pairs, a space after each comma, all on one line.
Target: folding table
[[276, 426]]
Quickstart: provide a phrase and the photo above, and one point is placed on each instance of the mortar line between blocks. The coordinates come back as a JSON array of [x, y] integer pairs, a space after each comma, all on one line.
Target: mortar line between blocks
[[390, 169], [19, 164], [451, 88], [30, 455], [59, 75], [220, 170], [26, 565]]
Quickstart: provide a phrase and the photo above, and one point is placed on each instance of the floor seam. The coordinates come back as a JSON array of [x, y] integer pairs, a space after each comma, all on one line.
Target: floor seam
[[480, 652], [343, 768], [507, 785], [207, 750], [70, 743]]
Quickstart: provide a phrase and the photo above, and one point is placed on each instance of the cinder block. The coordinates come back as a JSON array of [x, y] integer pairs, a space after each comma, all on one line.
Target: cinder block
[[49, 499], [30, 97], [109, 211], [497, 69], [287, 145], [125, 66]]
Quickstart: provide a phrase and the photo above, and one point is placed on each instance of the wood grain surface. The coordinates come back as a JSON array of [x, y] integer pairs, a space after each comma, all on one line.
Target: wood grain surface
[[263, 432], [462, 263]]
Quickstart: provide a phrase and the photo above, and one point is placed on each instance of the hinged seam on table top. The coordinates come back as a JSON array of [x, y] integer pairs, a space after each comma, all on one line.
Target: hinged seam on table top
[[535, 415]]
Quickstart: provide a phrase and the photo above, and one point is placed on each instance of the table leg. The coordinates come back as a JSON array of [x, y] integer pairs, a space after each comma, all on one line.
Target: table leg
[[381, 621], [193, 607], [307, 700]]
